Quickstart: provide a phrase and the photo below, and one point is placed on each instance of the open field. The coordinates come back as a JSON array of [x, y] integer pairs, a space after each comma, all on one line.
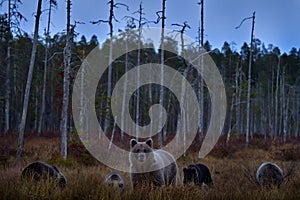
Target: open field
[[85, 175]]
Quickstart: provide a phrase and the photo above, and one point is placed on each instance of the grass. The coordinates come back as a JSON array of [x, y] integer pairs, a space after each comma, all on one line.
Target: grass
[[85, 175]]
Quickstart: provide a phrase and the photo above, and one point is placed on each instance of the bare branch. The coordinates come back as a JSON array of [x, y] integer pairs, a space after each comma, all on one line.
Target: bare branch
[[121, 4], [158, 17], [183, 26], [99, 21], [243, 22]]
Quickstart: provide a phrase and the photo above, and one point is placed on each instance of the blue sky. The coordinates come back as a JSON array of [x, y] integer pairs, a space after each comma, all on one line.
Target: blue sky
[[277, 21]]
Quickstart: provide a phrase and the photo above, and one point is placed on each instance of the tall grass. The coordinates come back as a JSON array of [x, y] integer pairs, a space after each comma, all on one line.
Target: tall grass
[[85, 175]]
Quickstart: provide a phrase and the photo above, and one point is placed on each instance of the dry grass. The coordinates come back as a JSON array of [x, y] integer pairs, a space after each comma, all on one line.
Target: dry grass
[[85, 175]]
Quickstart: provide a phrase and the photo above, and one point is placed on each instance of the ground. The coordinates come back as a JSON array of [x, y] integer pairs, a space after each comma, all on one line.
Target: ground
[[85, 174]]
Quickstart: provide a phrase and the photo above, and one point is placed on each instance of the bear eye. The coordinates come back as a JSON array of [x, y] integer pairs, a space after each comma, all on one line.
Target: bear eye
[[138, 150], [145, 151]]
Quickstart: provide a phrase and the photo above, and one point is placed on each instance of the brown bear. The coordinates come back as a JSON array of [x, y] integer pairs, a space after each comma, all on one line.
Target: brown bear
[[269, 174], [41, 171], [151, 167], [115, 180], [197, 174]]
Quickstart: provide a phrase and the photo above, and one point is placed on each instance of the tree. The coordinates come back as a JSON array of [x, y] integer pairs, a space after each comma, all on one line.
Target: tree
[[162, 38], [13, 21], [28, 83], [52, 3], [66, 83], [110, 68], [249, 76]]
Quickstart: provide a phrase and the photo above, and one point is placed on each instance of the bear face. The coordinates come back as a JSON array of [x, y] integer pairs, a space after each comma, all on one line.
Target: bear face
[[141, 152], [190, 175], [114, 180]]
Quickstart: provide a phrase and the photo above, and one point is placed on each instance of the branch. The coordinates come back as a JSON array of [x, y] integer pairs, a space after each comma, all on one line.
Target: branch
[[99, 21], [121, 4], [243, 22], [184, 26], [115, 18], [158, 17]]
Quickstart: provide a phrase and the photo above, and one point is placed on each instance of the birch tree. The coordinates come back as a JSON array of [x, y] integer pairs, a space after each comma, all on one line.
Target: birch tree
[[29, 79]]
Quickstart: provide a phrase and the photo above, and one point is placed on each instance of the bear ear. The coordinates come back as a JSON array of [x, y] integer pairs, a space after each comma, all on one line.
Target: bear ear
[[149, 142], [133, 142]]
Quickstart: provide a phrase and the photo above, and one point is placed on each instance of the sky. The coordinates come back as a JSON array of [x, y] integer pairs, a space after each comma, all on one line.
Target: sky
[[277, 22]]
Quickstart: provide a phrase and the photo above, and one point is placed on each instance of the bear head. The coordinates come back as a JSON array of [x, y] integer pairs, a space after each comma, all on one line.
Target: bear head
[[189, 175], [141, 152]]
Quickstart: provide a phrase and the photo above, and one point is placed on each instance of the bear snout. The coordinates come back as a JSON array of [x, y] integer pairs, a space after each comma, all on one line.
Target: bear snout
[[141, 157]]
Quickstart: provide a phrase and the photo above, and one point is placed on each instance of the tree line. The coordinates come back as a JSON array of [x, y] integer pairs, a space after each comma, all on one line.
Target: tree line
[[275, 87]]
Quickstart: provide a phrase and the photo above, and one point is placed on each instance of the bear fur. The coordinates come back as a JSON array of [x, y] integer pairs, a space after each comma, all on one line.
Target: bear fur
[[269, 174], [197, 174], [41, 171], [151, 167], [115, 180]]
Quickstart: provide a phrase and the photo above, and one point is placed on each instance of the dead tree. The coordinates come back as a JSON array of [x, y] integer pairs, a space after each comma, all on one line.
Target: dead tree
[[201, 82], [201, 26], [110, 20], [29, 79], [52, 3], [183, 84], [141, 21], [249, 76], [161, 16], [14, 17], [66, 84]]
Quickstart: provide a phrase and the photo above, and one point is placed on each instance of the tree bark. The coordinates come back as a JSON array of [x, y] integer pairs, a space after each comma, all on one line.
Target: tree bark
[[28, 83], [66, 85], [161, 97], [249, 83]]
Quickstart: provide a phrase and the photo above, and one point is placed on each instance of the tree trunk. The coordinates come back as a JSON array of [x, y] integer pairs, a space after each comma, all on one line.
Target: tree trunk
[[28, 83], [109, 78], [7, 82], [249, 83], [66, 86], [161, 98], [138, 71], [276, 100], [45, 71]]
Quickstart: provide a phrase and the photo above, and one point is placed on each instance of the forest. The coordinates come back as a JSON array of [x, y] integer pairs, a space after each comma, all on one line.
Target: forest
[[36, 119]]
